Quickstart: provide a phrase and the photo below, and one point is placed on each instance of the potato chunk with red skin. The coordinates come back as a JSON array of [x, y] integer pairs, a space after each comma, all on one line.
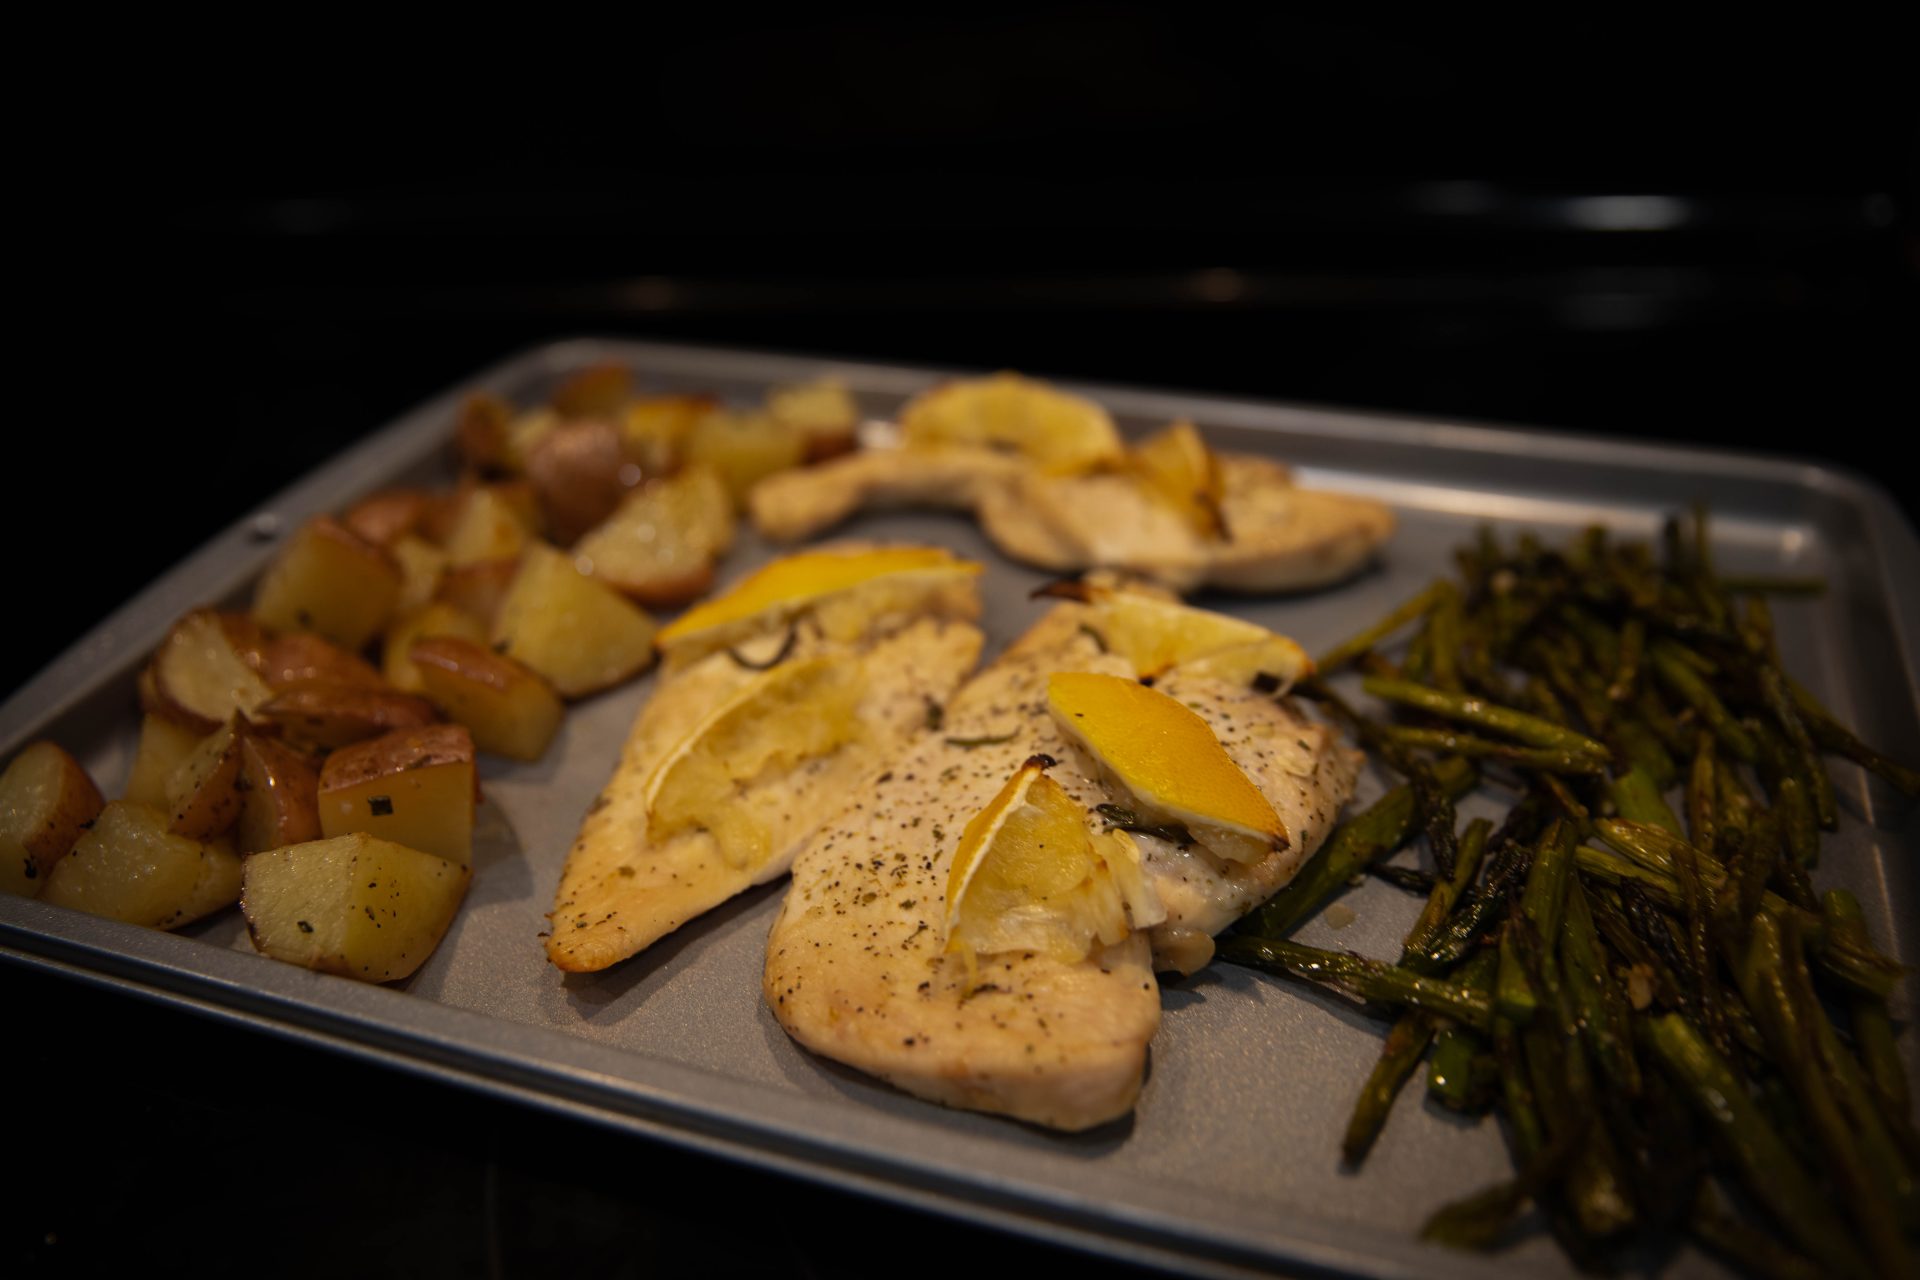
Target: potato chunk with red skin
[[128, 866], [46, 802], [329, 580], [279, 795], [436, 619], [206, 669], [329, 714], [357, 905], [203, 792], [415, 787], [511, 710]]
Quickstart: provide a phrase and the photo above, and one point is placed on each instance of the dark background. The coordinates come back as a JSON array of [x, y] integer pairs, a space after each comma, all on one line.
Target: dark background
[[268, 254]]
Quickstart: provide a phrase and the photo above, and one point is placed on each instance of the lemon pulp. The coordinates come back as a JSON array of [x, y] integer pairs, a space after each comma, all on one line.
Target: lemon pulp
[[1030, 874]]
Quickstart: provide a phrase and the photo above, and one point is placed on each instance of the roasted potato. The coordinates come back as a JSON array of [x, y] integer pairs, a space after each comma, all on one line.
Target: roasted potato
[[477, 589], [823, 415], [511, 710], [203, 792], [279, 795], [580, 472], [581, 635], [386, 517], [596, 391], [655, 430], [298, 657], [163, 745], [327, 713], [436, 619], [660, 547], [206, 669], [329, 580], [128, 866], [357, 906], [415, 787], [421, 564], [490, 523], [46, 801], [480, 433], [744, 448]]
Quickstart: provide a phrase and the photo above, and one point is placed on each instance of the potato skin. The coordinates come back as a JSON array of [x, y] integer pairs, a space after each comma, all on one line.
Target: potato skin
[[327, 713], [280, 795], [206, 669], [203, 792], [385, 517], [297, 657], [46, 802], [580, 472]]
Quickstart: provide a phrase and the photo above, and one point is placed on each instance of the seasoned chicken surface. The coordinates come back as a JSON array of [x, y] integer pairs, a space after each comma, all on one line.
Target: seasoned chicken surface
[[857, 967], [1280, 536], [623, 889]]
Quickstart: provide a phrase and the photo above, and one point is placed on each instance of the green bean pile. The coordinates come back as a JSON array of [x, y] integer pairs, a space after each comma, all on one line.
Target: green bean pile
[[1666, 1018]]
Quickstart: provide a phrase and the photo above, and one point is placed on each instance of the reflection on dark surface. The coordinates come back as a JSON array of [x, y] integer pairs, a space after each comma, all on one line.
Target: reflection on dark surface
[[1673, 232]]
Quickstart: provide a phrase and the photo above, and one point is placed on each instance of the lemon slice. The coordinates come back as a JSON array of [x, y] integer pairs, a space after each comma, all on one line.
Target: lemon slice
[[1158, 636], [849, 589], [798, 711], [1180, 471], [1031, 875], [1168, 760], [1012, 414]]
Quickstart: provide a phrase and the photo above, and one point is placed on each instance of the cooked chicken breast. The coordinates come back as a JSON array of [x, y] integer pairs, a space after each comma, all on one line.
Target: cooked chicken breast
[[857, 967], [1281, 537], [622, 888]]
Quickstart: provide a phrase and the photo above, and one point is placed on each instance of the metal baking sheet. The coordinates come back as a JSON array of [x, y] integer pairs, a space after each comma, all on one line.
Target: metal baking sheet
[[1230, 1164]]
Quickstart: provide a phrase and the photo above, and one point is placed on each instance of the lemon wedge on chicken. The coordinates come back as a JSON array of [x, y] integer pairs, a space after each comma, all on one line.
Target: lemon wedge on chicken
[[1168, 760], [1007, 413], [1158, 635], [1031, 875], [849, 590], [1180, 471]]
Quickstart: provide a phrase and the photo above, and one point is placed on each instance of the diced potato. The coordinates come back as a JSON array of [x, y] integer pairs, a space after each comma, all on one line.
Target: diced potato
[[205, 670], [655, 430], [326, 713], [661, 546], [329, 580], [436, 619], [357, 906], [822, 412], [163, 745], [421, 564], [489, 525], [510, 709], [744, 448], [203, 793], [297, 657], [480, 434], [46, 801], [580, 472], [596, 391], [128, 866], [415, 787], [386, 517], [478, 589], [578, 633], [279, 795]]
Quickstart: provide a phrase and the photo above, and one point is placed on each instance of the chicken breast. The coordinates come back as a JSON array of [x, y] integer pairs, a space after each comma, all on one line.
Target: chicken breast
[[857, 967], [1280, 536], [622, 889]]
